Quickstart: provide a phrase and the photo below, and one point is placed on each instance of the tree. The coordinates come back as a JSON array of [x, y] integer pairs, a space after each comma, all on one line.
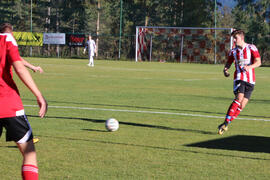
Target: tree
[[253, 17], [225, 19]]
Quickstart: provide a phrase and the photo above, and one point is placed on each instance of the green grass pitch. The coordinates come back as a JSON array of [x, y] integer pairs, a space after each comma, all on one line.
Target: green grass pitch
[[168, 116]]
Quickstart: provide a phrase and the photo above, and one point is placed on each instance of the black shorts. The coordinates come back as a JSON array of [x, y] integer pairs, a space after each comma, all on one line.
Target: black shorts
[[17, 128], [243, 87]]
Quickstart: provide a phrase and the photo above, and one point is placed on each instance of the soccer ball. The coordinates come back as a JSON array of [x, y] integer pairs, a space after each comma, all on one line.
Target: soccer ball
[[112, 124]]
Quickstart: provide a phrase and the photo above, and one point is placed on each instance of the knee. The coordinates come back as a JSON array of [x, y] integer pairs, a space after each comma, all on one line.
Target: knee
[[244, 103], [239, 99]]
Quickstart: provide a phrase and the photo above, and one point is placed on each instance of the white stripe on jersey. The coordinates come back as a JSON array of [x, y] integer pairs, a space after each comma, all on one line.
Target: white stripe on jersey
[[10, 38], [242, 58]]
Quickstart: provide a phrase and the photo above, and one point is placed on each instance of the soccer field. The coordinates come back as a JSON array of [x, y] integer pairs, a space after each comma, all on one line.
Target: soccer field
[[168, 116]]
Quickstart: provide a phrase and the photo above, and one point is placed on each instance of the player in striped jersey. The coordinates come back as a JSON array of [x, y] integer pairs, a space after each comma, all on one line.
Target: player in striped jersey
[[246, 57]]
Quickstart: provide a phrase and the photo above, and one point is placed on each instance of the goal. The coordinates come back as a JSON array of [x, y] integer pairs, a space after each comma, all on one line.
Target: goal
[[183, 44]]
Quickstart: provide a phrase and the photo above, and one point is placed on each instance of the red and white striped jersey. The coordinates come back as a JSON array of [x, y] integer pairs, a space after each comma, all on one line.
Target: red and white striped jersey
[[241, 58]]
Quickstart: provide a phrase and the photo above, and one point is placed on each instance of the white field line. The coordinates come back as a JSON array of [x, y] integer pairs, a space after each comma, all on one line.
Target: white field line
[[179, 79], [139, 69], [147, 112], [159, 70]]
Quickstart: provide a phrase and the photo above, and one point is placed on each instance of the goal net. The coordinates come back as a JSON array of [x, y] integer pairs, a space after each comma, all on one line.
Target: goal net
[[181, 44]]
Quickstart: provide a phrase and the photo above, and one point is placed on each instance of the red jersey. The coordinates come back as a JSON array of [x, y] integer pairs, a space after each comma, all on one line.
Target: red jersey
[[241, 58], [10, 101]]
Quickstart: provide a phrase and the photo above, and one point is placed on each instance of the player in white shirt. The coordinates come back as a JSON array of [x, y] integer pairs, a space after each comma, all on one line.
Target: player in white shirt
[[91, 46]]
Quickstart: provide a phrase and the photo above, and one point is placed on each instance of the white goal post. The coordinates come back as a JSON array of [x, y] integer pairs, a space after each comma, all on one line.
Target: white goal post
[[182, 44]]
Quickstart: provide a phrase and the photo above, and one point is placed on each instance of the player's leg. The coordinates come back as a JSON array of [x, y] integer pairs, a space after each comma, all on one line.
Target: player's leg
[[28, 152], [29, 166], [244, 92], [244, 102], [19, 130], [244, 98], [229, 116], [92, 59], [89, 59], [240, 108], [234, 108], [239, 94], [235, 105]]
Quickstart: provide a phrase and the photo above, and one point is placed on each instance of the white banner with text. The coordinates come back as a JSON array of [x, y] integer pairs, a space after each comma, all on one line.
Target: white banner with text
[[54, 38]]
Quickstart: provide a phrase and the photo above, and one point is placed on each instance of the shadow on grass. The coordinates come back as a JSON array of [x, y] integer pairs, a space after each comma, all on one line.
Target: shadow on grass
[[1, 131], [11, 147], [167, 109], [95, 130], [131, 124], [155, 147], [237, 143]]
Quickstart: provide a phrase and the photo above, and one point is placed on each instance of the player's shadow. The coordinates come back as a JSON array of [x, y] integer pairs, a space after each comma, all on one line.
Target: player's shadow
[[95, 130], [11, 147], [154, 147], [237, 143], [130, 124], [165, 109]]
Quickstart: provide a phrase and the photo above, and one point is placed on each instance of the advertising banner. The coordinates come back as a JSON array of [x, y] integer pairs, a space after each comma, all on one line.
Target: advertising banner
[[54, 38], [29, 38], [75, 39]]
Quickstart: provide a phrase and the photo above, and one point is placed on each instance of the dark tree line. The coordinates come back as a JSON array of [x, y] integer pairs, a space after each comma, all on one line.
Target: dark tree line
[[102, 18]]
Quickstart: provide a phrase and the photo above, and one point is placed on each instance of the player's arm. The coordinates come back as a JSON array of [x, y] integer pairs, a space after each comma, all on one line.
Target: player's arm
[[84, 50], [257, 59], [32, 67], [228, 65], [257, 63], [95, 47], [26, 78]]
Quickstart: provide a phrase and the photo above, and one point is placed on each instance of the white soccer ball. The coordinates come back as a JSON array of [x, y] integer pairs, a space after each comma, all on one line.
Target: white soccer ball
[[112, 124]]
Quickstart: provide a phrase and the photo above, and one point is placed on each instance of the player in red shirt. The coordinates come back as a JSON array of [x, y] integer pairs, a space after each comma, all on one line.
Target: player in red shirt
[[12, 115], [246, 57], [7, 28]]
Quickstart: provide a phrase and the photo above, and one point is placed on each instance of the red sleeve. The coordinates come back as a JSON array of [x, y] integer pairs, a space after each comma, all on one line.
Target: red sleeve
[[12, 50], [254, 51], [230, 58]]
